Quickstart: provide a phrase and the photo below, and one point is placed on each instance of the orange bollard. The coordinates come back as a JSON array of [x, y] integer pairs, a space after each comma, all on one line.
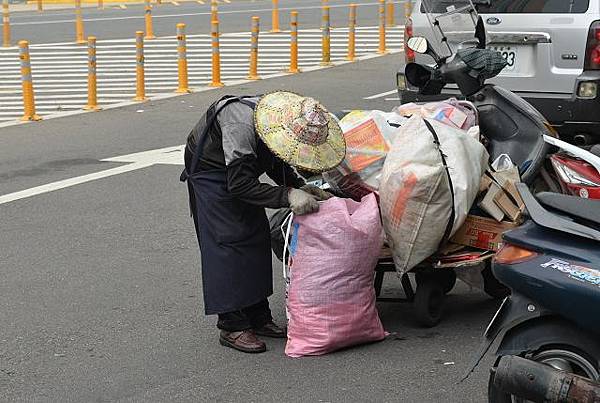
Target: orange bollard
[[390, 14], [407, 9], [100, 4], [214, 10], [253, 71], [294, 43], [216, 55], [40, 8], [275, 17], [27, 82], [5, 24], [92, 104], [326, 39], [140, 84], [148, 19], [382, 48], [182, 65], [352, 33], [78, 24]]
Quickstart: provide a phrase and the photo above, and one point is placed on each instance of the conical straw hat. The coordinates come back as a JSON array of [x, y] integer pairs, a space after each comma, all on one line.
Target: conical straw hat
[[300, 131]]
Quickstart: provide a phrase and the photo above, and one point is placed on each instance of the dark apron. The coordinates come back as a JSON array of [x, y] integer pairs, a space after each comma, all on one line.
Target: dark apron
[[234, 239]]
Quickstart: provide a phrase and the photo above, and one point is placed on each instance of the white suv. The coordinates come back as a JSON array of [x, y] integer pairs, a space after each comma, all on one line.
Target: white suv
[[552, 48]]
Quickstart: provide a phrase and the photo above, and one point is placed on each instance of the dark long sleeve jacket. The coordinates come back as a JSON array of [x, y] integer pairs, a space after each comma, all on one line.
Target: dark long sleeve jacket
[[232, 144]]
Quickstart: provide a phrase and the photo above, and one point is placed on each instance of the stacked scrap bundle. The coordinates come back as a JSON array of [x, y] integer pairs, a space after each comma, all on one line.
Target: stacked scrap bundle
[[425, 163]]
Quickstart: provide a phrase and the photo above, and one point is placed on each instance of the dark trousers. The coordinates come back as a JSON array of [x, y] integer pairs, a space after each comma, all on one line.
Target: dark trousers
[[254, 316]]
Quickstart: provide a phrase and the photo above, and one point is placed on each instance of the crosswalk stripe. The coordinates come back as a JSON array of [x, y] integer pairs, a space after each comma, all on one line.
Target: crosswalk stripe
[[60, 69]]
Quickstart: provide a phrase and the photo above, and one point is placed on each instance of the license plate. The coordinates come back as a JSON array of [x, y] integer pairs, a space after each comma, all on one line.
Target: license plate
[[509, 53]]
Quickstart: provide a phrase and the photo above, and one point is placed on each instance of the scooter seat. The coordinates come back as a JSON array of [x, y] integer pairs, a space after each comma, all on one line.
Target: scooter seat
[[577, 207]]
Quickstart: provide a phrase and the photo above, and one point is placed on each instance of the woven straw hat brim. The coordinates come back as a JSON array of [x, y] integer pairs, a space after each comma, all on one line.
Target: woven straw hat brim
[[273, 114]]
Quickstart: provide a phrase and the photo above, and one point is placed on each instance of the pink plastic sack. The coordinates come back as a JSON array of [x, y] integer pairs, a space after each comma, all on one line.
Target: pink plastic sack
[[331, 299]]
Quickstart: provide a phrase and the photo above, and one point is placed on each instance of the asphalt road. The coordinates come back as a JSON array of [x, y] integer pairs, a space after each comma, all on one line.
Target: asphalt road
[[100, 291], [113, 23]]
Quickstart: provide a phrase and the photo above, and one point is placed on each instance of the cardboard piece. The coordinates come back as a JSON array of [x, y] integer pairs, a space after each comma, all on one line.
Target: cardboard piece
[[463, 261], [505, 204], [482, 233], [488, 203], [502, 200]]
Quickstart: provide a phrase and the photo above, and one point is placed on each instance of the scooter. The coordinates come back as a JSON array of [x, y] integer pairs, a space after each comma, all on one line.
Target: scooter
[[552, 266], [510, 124]]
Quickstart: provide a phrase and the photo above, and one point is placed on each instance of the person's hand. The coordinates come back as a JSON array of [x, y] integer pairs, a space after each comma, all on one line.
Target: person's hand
[[302, 202], [316, 191]]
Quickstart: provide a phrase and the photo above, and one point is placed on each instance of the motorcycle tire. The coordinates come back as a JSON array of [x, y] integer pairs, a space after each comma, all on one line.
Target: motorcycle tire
[[580, 359], [429, 302]]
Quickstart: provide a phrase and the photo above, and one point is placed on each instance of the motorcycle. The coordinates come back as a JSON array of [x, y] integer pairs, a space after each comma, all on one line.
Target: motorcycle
[[552, 266], [510, 125]]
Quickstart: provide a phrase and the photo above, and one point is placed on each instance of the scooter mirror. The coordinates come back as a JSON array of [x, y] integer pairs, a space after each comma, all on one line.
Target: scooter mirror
[[480, 34], [418, 44]]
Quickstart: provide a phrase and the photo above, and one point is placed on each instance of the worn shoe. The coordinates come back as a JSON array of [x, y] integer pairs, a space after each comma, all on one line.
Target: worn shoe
[[271, 330], [245, 341]]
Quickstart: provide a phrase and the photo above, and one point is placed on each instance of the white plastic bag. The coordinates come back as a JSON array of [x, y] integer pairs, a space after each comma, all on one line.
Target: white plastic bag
[[458, 114], [417, 201]]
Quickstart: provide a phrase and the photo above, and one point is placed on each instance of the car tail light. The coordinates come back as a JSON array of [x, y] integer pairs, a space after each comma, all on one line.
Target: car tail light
[[409, 54], [511, 254], [575, 172], [592, 52]]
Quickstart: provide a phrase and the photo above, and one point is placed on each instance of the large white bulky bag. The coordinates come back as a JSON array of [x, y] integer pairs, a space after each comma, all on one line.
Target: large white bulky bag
[[417, 202]]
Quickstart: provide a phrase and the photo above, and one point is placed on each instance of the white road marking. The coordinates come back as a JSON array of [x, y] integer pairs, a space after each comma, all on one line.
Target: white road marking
[[50, 187], [381, 95], [60, 70], [168, 156]]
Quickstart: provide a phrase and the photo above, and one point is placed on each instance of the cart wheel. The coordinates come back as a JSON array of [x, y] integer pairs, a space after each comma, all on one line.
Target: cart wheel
[[445, 277], [450, 281], [429, 302]]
